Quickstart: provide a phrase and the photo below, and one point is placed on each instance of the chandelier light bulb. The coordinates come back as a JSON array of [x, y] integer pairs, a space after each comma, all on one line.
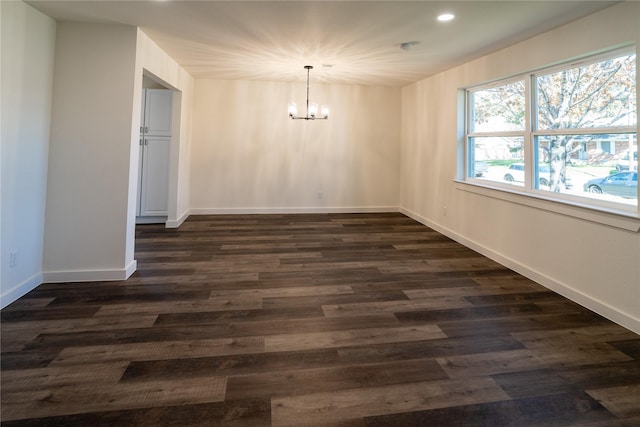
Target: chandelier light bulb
[[293, 109], [324, 111], [313, 109]]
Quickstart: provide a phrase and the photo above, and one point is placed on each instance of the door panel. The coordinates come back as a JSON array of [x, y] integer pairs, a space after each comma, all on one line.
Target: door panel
[[155, 176], [157, 112]]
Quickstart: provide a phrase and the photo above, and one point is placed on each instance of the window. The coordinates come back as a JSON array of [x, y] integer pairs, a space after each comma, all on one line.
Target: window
[[566, 133]]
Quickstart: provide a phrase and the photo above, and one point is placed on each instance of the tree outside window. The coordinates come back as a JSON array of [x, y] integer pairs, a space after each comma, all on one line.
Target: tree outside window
[[557, 129]]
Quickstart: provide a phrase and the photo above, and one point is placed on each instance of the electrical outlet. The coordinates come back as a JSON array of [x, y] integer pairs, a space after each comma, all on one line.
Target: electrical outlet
[[320, 195], [13, 259], [444, 211]]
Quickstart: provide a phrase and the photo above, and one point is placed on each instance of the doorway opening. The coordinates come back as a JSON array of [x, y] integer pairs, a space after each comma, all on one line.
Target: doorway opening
[[158, 135]]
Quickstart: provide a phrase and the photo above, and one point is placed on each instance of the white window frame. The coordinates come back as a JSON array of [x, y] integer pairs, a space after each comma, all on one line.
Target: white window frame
[[617, 214], [512, 133]]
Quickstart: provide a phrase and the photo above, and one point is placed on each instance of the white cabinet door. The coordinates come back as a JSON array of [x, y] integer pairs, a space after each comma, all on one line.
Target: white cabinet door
[[157, 112], [155, 176], [155, 136]]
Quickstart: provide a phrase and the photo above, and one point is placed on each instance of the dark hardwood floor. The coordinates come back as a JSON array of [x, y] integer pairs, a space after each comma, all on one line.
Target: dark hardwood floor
[[312, 320]]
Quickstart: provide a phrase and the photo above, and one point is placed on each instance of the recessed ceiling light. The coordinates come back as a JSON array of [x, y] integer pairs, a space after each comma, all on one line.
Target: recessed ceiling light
[[446, 17]]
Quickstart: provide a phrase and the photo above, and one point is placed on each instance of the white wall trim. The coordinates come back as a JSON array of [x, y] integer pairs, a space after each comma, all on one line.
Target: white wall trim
[[20, 290], [130, 269], [90, 275], [175, 223], [238, 211], [611, 217], [621, 318]]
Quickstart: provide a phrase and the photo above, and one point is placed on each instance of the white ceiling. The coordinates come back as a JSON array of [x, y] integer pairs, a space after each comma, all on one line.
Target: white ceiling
[[273, 40]]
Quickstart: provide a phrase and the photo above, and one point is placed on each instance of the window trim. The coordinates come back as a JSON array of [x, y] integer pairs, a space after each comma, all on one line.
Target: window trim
[[607, 216], [615, 214]]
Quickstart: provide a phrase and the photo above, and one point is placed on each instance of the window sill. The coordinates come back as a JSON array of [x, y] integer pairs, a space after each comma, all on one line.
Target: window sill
[[614, 218]]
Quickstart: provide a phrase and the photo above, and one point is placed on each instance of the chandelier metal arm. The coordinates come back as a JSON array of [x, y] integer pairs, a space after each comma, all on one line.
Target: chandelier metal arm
[[308, 68], [325, 110]]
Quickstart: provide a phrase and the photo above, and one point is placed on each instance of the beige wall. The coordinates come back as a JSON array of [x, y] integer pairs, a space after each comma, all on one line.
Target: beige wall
[[27, 84], [87, 193], [79, 158], [90, 228], [594, 264], [249, 156]]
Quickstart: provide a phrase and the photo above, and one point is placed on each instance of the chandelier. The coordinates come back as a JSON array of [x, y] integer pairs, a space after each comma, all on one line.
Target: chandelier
[[312, 108]]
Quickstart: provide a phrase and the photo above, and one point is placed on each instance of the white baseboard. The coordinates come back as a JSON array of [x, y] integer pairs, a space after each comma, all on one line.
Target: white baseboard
[[574, 295], [19, 290], [178, 222], [89, 275], [283, 210]]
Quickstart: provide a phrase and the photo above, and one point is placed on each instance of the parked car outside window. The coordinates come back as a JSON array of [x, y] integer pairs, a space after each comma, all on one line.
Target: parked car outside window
[[516, 173], [624, 184]]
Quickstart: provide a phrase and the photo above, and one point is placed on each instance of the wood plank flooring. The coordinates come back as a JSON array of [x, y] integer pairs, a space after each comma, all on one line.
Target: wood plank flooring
[[312, 320]]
